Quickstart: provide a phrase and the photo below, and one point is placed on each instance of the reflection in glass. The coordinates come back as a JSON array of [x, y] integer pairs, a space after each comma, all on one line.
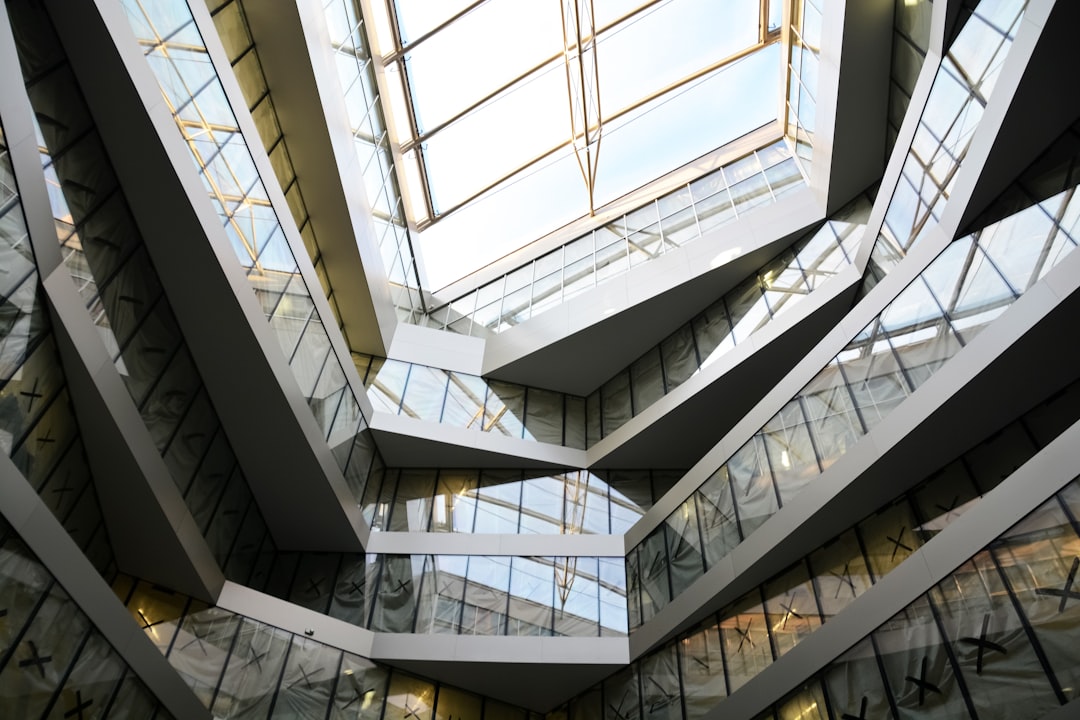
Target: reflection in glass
[[988, 641], [266, 667], [250, 677], [55, 662], [513, 501], [194, 95], [352, 61], [474, 403], [962, 87], [927, 323], [911, 39], [104, 251], [38, 430], [747, 648], [791, 605]]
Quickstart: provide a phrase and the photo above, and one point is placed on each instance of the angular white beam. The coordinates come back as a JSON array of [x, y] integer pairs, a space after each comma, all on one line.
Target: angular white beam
[[264, 413]]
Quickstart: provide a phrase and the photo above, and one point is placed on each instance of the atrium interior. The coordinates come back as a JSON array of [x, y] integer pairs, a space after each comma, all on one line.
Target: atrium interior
[[561, 359]]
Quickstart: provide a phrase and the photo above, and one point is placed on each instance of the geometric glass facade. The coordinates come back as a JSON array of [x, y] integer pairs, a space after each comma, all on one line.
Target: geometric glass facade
[[789, 430], [988, 641]]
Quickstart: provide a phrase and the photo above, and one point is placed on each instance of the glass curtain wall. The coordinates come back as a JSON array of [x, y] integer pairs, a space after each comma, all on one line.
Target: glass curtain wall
[[105, 254], [190, 86], [355, 72], [774, 289], [470, 401], [802, 74], [1052, 172], [993, 640], [911, 40], [697, 670], [454, 594], [38, 431], [53, 662], [962, 87], [510, 501], [958, 295], [660, 226], [241, 668], [232, 28], [249, 667]]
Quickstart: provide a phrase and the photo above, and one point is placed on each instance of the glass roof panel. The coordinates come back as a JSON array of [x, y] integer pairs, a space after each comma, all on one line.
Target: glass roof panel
[[632, 156], [683, 37], [418, 17], [501, 221], [499, 107], [479, 53], [608, 11], [776, 14], [492, 141]]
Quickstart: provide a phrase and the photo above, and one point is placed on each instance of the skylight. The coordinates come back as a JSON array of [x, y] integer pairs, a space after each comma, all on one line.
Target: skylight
[[515, 117]]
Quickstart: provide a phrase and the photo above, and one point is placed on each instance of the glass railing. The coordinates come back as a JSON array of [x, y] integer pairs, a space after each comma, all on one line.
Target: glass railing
[[573, 502], [724, 652], [995, 639], [104, 252], [241, 668], [189, 84], [774, 289], [964, 82], [54, 662], [481, 595], [661, 226], [453, 594], [957, 296], [38, 430], [352, 59], [472, 402]]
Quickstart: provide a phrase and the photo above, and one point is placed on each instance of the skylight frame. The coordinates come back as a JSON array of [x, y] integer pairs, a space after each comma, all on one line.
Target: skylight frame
[[385, 36]]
